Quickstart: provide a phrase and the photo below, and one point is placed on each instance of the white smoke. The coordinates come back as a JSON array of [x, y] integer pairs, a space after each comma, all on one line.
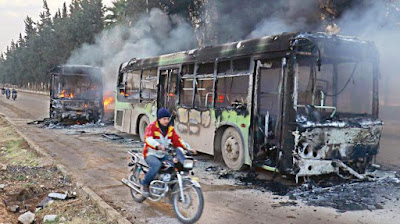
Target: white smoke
[[378, 22], [291, 16], [154, 34]]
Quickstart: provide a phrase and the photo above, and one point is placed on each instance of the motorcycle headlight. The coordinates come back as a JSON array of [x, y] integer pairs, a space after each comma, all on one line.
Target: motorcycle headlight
[[188, 164]]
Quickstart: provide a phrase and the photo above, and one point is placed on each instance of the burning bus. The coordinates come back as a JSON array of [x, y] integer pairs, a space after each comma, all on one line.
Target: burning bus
[[302, 103], [76, 94]]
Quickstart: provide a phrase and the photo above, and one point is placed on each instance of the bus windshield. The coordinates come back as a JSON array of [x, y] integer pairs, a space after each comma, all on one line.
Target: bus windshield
[[345, 87], [76, 87]]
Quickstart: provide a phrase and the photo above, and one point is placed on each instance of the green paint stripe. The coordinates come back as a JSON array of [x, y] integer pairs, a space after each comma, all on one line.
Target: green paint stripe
[[269, 168]]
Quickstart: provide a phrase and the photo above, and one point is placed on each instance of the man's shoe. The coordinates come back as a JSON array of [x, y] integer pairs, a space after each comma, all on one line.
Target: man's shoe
[[145, 190]]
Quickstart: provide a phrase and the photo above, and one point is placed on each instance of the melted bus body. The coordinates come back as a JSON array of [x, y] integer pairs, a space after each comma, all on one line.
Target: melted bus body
[[303, 103], [76, 94]]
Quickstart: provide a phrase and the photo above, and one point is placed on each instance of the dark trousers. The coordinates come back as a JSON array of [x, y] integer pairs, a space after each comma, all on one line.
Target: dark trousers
[[155, 164]]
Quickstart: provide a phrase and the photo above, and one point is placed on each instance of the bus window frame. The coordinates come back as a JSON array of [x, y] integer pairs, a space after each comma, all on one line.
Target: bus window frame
[[232, 74], [178, 84], [210, 76], [146, 100], [123, 85]]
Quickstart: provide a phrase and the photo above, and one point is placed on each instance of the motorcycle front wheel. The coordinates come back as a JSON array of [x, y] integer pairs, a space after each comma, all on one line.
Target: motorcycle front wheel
[[189, 210], [138, 197]]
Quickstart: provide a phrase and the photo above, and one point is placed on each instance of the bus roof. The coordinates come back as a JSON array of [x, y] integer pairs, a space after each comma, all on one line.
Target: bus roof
[[75, 70], [268, 44]]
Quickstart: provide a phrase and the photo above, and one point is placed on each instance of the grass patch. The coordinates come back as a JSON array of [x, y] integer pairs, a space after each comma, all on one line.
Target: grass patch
[[13, 148], [20, 178]]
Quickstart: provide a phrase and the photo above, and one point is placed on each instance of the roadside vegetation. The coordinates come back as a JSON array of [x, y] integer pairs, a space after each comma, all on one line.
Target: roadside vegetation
[[26, 180]]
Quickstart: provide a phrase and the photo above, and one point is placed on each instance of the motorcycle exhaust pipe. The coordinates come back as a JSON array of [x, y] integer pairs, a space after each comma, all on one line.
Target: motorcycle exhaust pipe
[[131, 185]]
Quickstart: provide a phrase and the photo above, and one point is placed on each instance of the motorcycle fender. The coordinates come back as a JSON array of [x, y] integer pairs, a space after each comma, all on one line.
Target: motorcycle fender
[[195, 182]]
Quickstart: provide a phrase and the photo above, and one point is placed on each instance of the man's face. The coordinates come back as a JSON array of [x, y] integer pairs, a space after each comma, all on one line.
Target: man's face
[[164, 121]]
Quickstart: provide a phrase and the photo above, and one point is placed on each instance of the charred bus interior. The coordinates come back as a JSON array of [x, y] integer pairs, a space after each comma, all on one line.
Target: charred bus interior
[[323, 101], [76, 94]]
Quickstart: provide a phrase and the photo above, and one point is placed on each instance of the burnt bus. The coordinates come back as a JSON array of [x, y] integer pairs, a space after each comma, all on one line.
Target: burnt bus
[[76, 93], [302, 103]]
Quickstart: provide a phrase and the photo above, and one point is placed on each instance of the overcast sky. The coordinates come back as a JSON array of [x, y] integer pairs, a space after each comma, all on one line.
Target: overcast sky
[[13, 13]]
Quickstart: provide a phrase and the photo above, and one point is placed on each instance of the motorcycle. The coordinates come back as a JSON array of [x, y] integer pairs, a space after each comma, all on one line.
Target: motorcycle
[[173, 181], [3, 91], [14, 94], [8, 94]]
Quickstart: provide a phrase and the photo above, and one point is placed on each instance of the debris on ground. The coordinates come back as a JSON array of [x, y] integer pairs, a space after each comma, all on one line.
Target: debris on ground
[[26, 218], [51, 123], [380, 188], [112, 136], [211, 168], [122, 138], [284, 204], [45, 202], [352, 195], [27, 180], [75, 132], [225, 174], [13, 208], [270, 185], [58, 196], [50, 218]]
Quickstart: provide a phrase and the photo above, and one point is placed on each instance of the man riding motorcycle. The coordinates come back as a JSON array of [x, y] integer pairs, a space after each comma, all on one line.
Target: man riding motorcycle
[[158, 135]]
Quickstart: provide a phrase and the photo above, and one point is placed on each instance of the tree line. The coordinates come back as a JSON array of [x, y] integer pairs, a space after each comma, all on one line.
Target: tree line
[[51, 40]]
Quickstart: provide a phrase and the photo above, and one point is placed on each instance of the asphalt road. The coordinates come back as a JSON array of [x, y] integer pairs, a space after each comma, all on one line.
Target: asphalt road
[[100, 164]]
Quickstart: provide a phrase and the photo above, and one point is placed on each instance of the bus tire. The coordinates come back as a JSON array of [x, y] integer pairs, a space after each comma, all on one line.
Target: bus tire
[[232, 149], [143, 123]]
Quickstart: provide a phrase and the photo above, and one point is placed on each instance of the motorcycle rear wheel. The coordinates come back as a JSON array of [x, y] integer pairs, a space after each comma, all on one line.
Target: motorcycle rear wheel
[[194, 201]]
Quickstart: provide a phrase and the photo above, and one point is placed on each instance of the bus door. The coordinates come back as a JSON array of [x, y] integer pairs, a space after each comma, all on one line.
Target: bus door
[[267, 111], [167, 92]]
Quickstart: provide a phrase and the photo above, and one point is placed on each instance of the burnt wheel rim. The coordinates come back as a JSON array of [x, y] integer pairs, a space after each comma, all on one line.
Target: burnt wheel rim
[[232, 148]]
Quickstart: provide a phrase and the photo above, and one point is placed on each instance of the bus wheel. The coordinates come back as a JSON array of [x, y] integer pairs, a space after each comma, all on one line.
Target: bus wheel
[[143, 123], [232, 149]]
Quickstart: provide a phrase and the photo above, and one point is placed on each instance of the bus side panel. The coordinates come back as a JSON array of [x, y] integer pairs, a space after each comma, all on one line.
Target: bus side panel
[[197, 128], [120, 122], [126, 123], [139, 110]]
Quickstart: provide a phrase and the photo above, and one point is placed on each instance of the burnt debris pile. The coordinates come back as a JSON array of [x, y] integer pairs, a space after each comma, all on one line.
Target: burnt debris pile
[[352, 195], [52, 123], [275, 187], [123, 139]]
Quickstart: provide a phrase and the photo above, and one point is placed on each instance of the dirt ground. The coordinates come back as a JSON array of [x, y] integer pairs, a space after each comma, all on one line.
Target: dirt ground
[[230, 198], [26, 180]]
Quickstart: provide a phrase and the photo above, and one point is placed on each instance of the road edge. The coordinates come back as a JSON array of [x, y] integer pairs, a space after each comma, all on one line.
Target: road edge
[[34, 92], [111, 214]]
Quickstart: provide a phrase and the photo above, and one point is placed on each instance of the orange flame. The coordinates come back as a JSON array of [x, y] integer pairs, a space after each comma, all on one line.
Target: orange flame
[[108, 100], [122, 93], [63, 95]]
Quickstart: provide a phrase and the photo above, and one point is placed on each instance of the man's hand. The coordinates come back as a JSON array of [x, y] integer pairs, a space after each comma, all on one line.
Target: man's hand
[[193, 151], [161, 147]]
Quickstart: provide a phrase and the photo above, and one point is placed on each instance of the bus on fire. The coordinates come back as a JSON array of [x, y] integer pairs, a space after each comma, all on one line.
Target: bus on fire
[[302, 103]]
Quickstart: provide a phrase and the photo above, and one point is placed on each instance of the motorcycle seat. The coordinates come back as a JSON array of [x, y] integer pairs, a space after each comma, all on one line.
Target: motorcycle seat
[[164, 165]]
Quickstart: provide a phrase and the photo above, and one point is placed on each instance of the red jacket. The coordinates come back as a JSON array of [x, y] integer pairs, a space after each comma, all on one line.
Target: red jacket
[[154, 137]]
